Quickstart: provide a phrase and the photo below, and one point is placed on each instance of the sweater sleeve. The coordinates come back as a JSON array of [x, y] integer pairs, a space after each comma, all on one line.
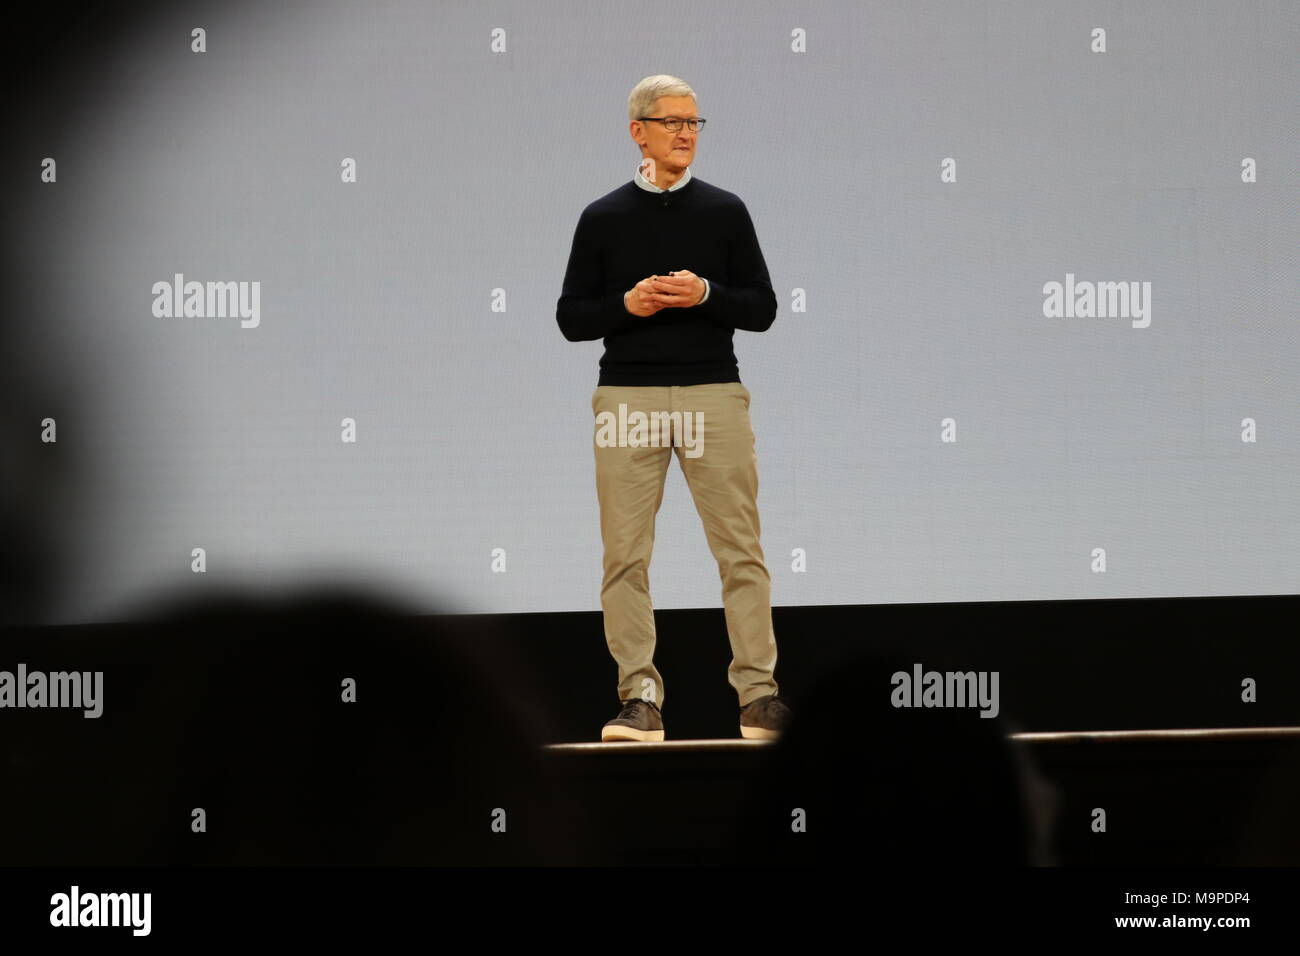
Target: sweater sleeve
[[583, 313], [746, 301]]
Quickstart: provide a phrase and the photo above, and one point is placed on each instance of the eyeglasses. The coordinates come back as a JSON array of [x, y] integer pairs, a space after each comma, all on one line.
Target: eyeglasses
[[673, 123]]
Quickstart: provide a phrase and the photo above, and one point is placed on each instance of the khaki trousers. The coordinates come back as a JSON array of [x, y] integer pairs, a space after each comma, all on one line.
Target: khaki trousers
[[713, 440]]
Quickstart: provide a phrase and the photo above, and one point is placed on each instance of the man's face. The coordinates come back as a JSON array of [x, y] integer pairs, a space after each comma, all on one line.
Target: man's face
[[673, 151]]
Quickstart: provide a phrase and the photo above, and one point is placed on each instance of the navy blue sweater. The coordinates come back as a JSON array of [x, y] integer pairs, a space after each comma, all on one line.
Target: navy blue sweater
[[632, 233]]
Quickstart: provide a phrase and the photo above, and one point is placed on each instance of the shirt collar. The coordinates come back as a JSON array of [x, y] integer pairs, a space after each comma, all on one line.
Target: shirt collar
[[651, 187]]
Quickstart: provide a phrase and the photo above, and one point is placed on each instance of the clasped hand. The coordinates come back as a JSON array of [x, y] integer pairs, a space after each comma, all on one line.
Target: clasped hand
[[677, 290]]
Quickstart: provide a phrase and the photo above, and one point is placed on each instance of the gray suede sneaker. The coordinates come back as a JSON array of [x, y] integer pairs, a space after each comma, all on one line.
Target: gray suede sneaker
[[764, 718], [638, 720]]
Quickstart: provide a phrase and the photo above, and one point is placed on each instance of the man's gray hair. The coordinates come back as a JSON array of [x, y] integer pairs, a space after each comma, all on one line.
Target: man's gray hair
[[644, 94]]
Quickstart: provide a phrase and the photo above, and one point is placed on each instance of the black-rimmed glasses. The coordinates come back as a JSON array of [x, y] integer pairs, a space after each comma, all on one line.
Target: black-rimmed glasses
[[674, 123]]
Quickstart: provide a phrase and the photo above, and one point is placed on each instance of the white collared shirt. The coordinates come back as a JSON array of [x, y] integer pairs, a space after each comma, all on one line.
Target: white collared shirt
[[651, 187]]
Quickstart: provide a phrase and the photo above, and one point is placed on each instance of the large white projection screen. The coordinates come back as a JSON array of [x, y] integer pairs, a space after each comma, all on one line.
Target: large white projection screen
[[918, 174]]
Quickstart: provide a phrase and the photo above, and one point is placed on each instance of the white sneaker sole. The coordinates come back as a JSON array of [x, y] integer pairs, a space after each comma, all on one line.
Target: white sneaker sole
[[758, 733], [630, 733]]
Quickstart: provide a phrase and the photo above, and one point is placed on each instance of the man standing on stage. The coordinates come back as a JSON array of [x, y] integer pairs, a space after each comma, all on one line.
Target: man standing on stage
[[664, 269]]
